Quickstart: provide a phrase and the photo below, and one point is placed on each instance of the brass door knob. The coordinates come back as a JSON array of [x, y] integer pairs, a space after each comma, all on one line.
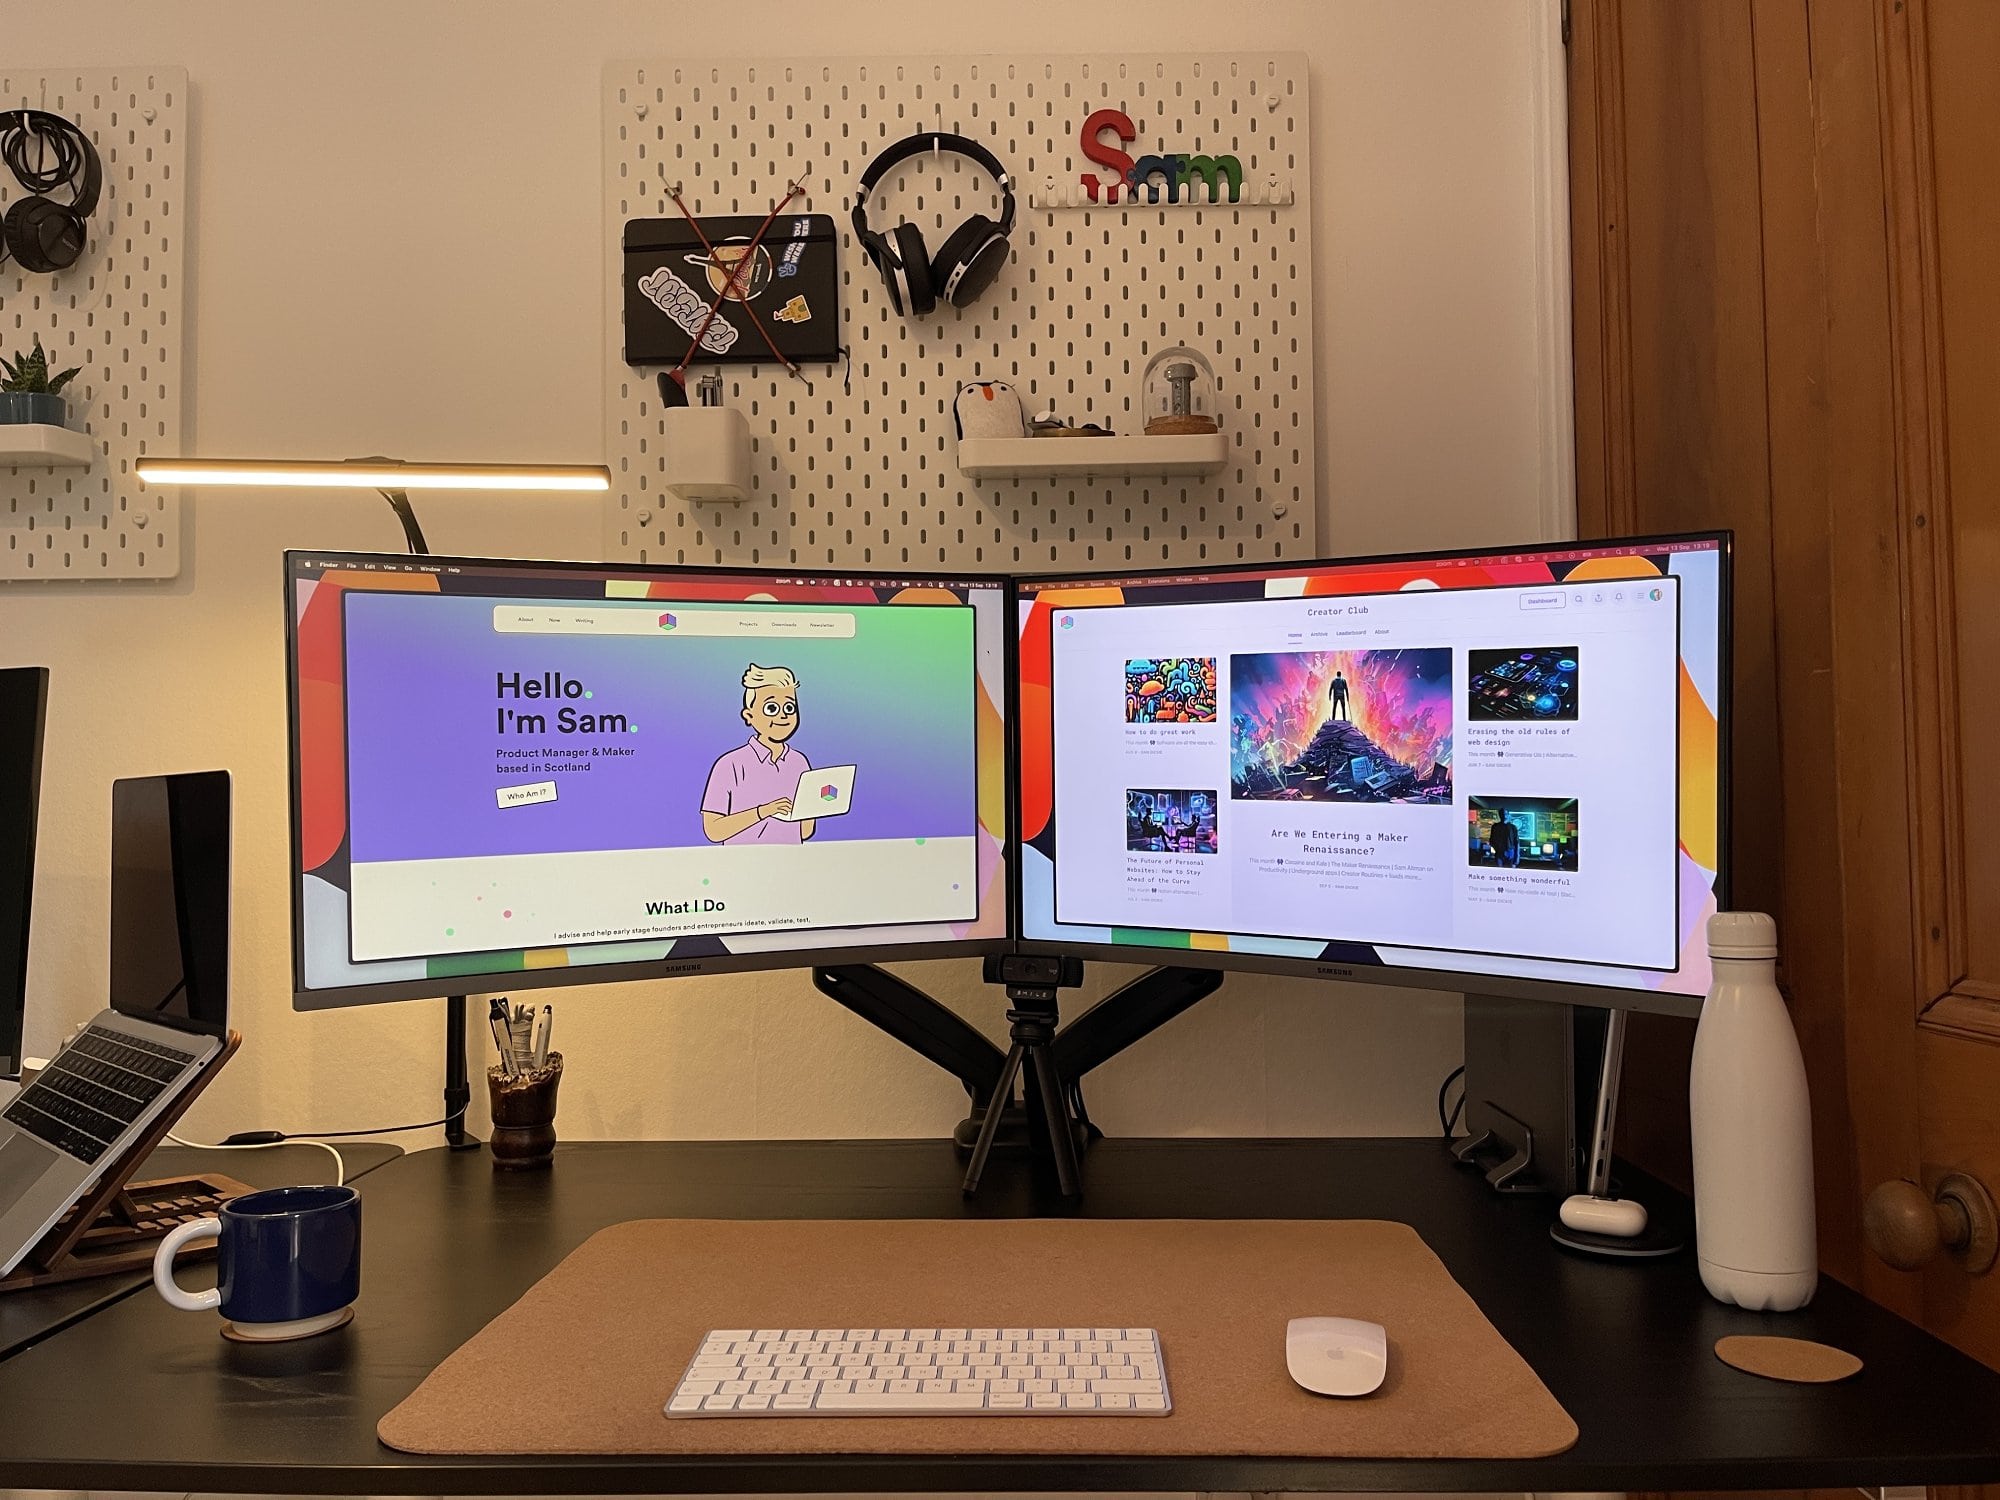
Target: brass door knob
[[1907, 1227]]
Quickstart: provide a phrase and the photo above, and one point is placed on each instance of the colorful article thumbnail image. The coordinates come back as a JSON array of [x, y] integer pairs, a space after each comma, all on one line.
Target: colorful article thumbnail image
[[1170, 690], [1341, 726], [1527, 682], [1521, 833], [1161, 821]]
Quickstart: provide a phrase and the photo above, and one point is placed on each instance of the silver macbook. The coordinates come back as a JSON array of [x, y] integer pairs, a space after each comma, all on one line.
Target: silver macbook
[[168, 1014]]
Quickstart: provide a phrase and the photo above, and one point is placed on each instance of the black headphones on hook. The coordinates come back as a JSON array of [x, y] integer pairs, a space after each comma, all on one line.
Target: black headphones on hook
[[971, 255], [42, 234]]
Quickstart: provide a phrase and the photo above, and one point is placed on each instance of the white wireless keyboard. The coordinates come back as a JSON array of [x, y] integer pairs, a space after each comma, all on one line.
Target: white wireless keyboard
[[893, 1372]]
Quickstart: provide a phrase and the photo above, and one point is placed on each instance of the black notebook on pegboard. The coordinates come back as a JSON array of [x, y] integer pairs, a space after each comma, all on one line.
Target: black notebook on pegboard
[[672, 279]]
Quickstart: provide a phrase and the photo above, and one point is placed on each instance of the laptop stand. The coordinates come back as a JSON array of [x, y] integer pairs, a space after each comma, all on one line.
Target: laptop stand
[[66, 1253]]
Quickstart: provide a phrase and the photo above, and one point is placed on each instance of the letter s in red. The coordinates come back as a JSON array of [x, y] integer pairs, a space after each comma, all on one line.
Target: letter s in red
[[1106, 155]]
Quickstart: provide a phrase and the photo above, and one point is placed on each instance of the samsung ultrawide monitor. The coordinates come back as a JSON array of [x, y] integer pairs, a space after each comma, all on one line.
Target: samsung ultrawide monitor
[[1493, 771], [510, 774]]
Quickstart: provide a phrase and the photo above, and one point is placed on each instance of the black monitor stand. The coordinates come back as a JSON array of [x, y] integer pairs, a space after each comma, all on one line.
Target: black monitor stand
[[1050, 1059]]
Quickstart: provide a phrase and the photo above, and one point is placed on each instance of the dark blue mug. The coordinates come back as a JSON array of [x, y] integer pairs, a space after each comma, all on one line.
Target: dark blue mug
[[289, 1262]]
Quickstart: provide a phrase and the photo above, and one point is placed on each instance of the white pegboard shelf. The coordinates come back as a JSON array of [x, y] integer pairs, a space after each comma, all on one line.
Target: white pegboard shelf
[[117, 316], [37, 445], [1273, 190], [1087, 457]]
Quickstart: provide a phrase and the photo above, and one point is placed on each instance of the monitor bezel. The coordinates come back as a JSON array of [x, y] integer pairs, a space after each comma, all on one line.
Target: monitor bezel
[[167, 781], [339, 996], [33, 684], [1431, 977]]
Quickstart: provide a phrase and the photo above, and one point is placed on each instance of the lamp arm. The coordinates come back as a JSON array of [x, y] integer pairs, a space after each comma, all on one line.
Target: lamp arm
[[457, 1079], [399, 502]]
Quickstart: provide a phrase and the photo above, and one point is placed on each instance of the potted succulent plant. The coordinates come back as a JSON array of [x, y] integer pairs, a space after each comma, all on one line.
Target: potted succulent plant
[[28, 393]]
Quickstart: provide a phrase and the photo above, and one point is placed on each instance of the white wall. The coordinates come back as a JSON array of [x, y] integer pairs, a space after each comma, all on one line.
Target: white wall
[[395, 248]]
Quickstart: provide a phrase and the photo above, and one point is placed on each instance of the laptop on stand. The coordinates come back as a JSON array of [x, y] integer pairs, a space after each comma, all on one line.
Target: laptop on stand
[[136, 1061]]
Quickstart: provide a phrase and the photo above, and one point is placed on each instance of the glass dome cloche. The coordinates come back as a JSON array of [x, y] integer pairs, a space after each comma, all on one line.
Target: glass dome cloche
[[1177, 395]]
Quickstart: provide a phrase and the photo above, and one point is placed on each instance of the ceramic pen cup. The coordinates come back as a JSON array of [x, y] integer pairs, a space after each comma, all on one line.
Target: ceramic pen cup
[[288, 1263], [524, 1114]]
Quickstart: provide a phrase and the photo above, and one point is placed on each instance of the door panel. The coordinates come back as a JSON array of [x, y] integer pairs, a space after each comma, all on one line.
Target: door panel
[[1786, 218], [1963, 60], [1961, 1084]]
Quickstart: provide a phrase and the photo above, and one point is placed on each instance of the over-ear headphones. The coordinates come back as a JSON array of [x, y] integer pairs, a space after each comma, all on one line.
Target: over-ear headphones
[[972, 254], [42, 234]]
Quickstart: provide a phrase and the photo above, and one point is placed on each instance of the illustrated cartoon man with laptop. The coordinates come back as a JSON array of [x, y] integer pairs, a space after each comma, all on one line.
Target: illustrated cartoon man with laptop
[[765, 791]]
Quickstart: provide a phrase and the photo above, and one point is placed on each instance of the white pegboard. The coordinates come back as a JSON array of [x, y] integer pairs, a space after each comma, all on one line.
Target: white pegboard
[[867, 476], [116, 314]]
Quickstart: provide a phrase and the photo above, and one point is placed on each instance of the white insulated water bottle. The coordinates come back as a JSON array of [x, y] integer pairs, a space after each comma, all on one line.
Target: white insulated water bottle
[[1752, 1127]]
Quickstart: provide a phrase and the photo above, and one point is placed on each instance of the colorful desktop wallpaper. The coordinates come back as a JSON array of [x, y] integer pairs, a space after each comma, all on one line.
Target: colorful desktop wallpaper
[[1341, 726]]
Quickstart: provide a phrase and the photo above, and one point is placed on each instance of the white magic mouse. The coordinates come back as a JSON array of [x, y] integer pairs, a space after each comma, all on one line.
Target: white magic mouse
[[1336, 1356]]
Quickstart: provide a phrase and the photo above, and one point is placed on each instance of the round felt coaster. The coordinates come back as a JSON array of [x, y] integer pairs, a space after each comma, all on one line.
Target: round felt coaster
[[1798, 1360]]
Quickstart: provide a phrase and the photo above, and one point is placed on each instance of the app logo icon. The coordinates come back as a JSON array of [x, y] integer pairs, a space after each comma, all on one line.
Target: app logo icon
[[1068, 621], [668, 622], [829, 793]]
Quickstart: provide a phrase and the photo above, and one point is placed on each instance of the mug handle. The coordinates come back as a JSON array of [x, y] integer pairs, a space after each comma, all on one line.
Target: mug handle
[[163, 1266]]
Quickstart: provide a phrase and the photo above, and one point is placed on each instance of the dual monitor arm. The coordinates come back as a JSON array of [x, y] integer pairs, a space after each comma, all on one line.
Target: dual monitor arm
[[1051, 1060]]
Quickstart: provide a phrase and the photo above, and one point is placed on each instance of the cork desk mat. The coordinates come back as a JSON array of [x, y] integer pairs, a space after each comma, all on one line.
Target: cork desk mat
[[595, 1348]]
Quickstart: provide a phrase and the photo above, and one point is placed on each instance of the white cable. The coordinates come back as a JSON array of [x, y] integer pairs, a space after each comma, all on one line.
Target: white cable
[[339, 1164]]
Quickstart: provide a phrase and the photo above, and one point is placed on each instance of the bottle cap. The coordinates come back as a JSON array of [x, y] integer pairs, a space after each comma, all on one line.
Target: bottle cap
[[1742, 934]]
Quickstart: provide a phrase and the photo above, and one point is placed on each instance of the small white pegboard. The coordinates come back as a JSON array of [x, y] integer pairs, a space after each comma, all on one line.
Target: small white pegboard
[[116, 314], [868, 476]]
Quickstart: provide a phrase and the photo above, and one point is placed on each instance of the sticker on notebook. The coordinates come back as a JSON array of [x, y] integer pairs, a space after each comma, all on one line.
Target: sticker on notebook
[[678, 300]]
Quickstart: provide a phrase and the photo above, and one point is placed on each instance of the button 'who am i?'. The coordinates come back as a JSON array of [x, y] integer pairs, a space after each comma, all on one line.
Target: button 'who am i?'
[[521, 796]]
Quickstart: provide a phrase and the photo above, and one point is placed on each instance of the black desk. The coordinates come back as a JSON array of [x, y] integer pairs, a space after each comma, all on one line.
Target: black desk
[[31, 1316], [1627, 1348]]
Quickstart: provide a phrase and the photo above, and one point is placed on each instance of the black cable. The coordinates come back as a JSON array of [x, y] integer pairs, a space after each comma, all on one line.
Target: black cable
[[335, 1135], [1081, 1113], [39, 179], [1449, 1123], [271, 1137]]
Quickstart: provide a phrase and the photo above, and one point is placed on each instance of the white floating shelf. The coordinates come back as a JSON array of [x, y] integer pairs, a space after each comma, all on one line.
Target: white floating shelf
[[1105, 457], [1055, 194], [38, 445]]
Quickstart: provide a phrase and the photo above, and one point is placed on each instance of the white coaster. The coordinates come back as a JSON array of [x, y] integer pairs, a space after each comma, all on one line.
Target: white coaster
[[278, 1333]]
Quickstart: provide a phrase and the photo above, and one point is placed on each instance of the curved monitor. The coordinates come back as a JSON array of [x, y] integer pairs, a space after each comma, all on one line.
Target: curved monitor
[[1472, 770], [510, 774]]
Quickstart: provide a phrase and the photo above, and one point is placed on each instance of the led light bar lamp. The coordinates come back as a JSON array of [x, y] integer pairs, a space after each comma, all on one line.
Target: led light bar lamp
[[393, 479]]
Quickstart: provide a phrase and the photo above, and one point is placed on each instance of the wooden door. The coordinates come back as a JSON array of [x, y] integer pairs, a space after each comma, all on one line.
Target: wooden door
[[1786, 219]]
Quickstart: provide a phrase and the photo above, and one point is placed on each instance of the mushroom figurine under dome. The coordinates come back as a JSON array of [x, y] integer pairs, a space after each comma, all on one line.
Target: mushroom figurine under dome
[[1178, 394]]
